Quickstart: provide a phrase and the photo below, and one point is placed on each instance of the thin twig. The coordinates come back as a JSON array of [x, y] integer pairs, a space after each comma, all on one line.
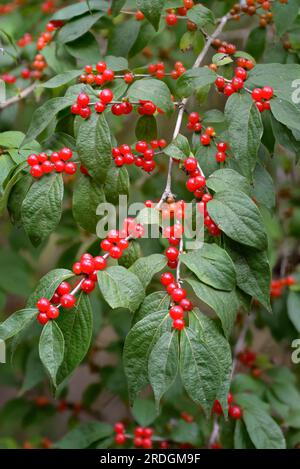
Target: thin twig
[[15, 99]]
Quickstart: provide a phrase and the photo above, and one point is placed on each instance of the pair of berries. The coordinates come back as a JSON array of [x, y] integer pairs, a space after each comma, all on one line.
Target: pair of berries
[[99, 77], [81, 107], [262, 97], [234, 411], [177, 294], [247, 357], [278, 284], [158, 70], [196, 181], [211, 226], [57, 161], [194, 123]]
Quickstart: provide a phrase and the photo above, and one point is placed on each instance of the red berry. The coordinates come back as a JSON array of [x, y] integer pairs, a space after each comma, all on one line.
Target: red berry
[[220, 83], [148, 432], [87, 285], [139, 431], [220, 156], [77, 268], [171, 19], [128, 78], [36, 171], [178, 294], [149, 108], [167, 278], [123, 243], [119, 427], [67, 301], [115, 252], [63, 288], [43, 305], [260, 106], [267, 92], [206, 198], [162, 143], [59, 166], [65, 154], [141, 146], [257, 94], [83, 100], [217, 408], [85, 112], [179, 324], [42, 318], [222, 146], [52, 312], [194, 117], [240, 73], [172, 253], [149, 166], [106, 96], [139, 15], [87, 266], [147, 443], [228, 90], [176, 312], [235, 412], [47, 167], [205, 139], [54, 157], [120, 439], [186, 304], [138, 441], [117, 109], [32, 160], [100, 67], [108, 75], [171, 287], [148, 154], [190, 164], [99, 262], [237, 83], [70, 168], [229, 398]]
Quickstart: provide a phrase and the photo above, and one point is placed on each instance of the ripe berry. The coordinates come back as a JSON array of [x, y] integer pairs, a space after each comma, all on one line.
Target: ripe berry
[[100, 67], [106, 96], [59, 166], [108, 75], [229, 398], [172, 253], [85, 112], [220, 156], [65, 154], [43, 305], [36, 171], [205, 139], [139, 431], [217, 408], [171, 19], [186, 304], [178, 324], [149, 166], [222, 146], [235, 412], [240, 73], [115, 252], [148, 432], [119, 427], [141, 146], [70, 168], [166, 278], [220, 83], [194, 117], [178, 294], [123, 243], [99, 262], [267, 92], [83, 100], [67, 301], [147, 443], [88, 285], [139, 15], [138, 441], [228, 89], [42, 318], [120, 439], [260, 106], [77, 268], [237, 83], [149, 108], [47, 167], [190, 164], [87, 266], [32, 160], [63, 288], [52, 312], [176, 312], [128, 78], [257, 94]]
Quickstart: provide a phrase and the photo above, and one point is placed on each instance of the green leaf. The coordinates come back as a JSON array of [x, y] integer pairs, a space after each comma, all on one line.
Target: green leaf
[[179, 148], [61, 79], [206, 156], [256, 42], [263, 190], [199, 369], [163, 364], [286, 112], [138, 346], [145, 267], [78, 9], [130, 255], [87, 195], [121, 288], [253, 273], [241, 436], [156, 301], [116, 183], [212, 265], [16, 197], [152, 10], [48, 284], [284, 15], [94, 146], [85, 48], [152, 90], [77, 327], [200, 15], [84, 435], [43, 116], [224, 303], [222, 179], [16, 322], [245, 130], [293, 308], [42, 207], [146, 128], [51, 349], [221, 59], [236, 215], [194, 79], [78, 27], [143, 411], [123, 37], [116, 63], [264, 432]]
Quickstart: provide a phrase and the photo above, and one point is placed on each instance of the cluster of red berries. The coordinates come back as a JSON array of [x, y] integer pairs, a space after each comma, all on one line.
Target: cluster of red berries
[[196, 181], [253, 7], [47, 36], [57, 161], [9, 78], [181, 303], [99, 76], [228, 87], [206, 138], [247, 357], [224, 47], [234, 411], [124, 154], [262, 97], [25, 40], [158, 69], [173, 14], [142, 437], [211, 226], [277, 285]]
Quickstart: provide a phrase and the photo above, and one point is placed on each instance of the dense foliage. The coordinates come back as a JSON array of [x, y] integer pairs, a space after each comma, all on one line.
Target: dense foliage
[[192, 109]]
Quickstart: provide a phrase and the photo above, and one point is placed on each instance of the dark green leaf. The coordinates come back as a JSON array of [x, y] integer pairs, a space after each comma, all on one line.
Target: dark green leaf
[[293, 308], [78, 27], [178, 148], [146, 128], [200, 15], [87, 195], [222, 179], [152, 90], [61, 79], [145, 267], [194, 79], [116, 183], [152, 10], [51, 349], [16, 322], [84, 435]]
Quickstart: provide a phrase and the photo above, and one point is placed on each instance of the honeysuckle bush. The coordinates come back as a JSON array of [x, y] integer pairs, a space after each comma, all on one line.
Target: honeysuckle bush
[[167, 102]]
